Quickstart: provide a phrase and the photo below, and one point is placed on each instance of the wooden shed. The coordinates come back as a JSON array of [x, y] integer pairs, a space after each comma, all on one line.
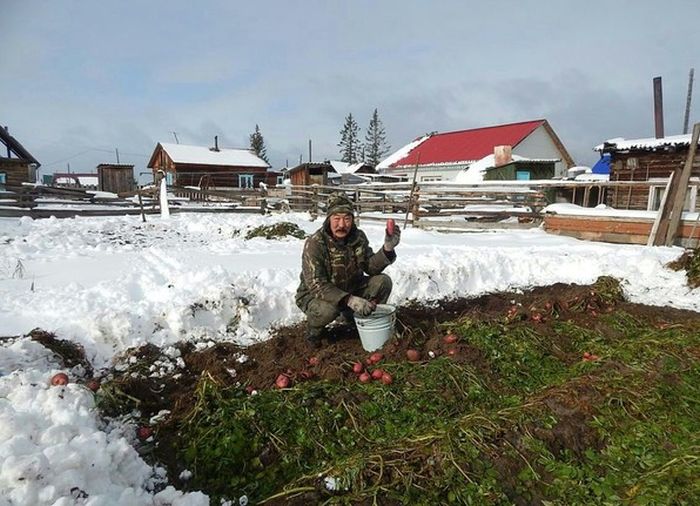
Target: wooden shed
[[652, 160], [310, 173], [17, 165], [213, 167], [521, 170], [115, 178]]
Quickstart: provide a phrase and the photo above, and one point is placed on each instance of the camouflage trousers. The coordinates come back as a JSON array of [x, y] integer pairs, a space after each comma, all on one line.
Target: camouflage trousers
[[319, 313]]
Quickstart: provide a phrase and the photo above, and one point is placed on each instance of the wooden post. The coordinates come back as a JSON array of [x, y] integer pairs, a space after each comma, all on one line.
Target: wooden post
[[143, 215], [314, 202], [415, 210], [263, 201], [682, 188], [357, 206], [410, 196]]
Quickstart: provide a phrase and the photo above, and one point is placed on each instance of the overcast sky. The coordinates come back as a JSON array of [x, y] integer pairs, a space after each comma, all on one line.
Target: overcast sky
[[81, 78]]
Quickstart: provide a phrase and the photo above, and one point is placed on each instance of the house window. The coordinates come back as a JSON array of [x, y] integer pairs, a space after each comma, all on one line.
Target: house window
[[245, 180], [631, 163], [656, 194], [427, 179], [522, 175], [169, 178], [3, 179], [280, 179]]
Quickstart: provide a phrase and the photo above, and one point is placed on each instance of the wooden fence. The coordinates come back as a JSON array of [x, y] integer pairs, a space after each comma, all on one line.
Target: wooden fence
[[488, 204]]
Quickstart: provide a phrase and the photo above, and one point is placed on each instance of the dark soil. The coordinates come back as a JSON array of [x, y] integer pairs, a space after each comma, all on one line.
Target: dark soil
[[68, 353], [419, 327]]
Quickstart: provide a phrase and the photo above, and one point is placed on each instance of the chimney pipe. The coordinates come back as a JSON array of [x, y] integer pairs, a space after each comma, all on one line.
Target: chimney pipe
[[502, 155], [216, 143], [658, 108]]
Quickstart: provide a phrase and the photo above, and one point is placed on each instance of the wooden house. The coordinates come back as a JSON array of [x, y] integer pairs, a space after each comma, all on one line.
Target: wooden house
[[213, 167], [273, 177], [17, 165], [442, 156], [115, 178], [652, 160]]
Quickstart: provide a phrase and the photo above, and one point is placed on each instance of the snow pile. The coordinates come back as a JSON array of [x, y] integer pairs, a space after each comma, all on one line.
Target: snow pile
[[53, 449]]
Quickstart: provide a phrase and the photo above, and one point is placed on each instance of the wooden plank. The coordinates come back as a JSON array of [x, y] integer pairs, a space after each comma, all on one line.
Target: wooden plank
[[593, 224], [471, 225], [679, 196]]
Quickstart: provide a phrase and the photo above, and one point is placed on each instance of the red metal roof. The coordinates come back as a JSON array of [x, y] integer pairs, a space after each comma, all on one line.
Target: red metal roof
[[467, 145]]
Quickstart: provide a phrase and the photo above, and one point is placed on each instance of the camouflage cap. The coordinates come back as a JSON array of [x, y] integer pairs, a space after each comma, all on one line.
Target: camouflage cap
[[338, 203]]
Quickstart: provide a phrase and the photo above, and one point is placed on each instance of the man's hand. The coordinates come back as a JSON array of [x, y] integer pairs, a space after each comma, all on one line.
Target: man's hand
[[390, 241], [362, 307]]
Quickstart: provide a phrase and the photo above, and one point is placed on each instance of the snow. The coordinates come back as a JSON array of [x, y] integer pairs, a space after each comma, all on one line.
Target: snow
[[182, 153], [649, 143], [400, 153], [475, 172], [112, 283], [346, 168], [602, 210]]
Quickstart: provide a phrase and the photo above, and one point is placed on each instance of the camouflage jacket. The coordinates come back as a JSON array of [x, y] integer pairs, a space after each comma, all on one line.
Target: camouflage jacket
[[331, 269]]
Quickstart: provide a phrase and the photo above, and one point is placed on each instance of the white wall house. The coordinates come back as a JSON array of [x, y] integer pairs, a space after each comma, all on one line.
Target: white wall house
[[442, 156]]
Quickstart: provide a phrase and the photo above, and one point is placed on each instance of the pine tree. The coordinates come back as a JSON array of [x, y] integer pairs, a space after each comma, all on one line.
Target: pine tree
[[349, 141], [376, 147], [257, 144]]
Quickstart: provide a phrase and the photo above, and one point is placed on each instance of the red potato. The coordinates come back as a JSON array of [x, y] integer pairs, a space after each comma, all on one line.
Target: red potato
[[365, 378], [250, 389], [452, 352], [144, 432], [387, 379], [548, 306], [390, 224], [413, 355], [282, 381], [313, 361], [60, 378], [594, 357], [536, 317], [93, 385], [357, 368], [450, 338], [376, 357], [586, 355], [377, 374]]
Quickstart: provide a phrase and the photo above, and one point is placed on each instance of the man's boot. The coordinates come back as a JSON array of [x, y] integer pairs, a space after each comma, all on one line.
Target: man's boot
[[313, 338]]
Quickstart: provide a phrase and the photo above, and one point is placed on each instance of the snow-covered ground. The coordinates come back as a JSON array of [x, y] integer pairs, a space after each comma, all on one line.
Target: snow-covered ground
[[114, 283]]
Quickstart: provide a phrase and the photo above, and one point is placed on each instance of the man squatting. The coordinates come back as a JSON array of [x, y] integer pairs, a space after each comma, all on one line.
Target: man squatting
[[340, 274]]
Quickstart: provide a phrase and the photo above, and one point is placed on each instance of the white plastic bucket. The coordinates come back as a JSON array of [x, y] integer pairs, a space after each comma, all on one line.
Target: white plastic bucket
[[377, 328]]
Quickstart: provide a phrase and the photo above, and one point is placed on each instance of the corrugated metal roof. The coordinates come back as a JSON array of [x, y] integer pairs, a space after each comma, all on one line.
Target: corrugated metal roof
[[466, 145], [649, 143], [182, 153]]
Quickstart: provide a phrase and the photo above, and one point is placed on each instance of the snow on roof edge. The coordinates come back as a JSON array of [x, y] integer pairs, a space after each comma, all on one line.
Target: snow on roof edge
[[620, 143], [401, 153]]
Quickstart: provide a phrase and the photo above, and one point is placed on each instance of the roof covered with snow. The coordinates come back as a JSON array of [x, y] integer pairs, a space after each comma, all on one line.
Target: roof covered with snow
[[462, 146], [646, 144], [475, 172], [346, 168], [182, 153]]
